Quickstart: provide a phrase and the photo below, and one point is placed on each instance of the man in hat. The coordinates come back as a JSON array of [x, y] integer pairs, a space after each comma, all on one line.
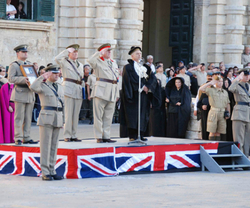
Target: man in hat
[[22, 96], [241, 112], [105, 92], [130, 96], [220, 108], [72, 72], [50, 119]]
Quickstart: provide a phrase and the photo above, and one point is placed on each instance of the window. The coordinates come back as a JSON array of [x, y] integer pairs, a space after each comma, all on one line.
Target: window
[[36, 10]]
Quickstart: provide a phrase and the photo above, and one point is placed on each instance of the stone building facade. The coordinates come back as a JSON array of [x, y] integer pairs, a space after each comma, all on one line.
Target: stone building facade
[[220, 30]]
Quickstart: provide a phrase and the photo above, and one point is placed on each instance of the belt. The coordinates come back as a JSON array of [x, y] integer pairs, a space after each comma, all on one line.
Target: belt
[[243, 103], [106, 80], [52, 108], [73, 80], [218, 109], [23, 86]]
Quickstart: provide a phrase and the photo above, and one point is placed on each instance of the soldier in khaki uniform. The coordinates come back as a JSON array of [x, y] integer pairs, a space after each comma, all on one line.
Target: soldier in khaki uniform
[[23, 97], [241, 112], [219, 102], [50, 119], [105, 92], [72, 72]]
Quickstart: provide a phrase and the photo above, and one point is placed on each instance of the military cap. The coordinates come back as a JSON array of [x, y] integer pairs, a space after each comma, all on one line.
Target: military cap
[[21, 48], [106, 45], [246, 71], [75, 46], [53, 69], [210, 73], [133, 49], [216, 73]]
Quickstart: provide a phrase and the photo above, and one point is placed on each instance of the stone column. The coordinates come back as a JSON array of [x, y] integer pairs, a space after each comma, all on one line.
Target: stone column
[[129, 28], [248, 27], [201, 12], [105, 23], [233, 30]]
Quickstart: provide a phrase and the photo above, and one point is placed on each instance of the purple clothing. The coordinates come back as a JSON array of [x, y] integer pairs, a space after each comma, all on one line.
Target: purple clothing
[[7, 120]]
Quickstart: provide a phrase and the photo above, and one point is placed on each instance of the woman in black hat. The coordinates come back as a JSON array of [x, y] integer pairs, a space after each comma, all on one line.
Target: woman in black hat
[[178, 97]]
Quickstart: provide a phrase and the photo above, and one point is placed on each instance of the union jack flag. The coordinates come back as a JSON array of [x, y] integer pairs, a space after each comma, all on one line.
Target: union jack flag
[[7, 162], [31, 164], [97, 165]]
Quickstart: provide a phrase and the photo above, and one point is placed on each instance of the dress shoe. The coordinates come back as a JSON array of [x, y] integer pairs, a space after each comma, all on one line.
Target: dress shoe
[[18, 142], [30, 142], [57, 177], [144, 139], [99, 140], [108, 141], [47, 178], [131, 139], [67, 140], [75, 140]]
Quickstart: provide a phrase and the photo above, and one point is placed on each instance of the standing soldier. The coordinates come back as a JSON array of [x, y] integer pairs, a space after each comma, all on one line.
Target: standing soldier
[[50, 119], [220, 108], [241, 112], [72, 72], [22, 96], [105, 92]]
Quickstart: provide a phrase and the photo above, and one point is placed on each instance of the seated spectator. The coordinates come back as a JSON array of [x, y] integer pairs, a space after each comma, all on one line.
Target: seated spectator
[[182, 74], [245, 58], [170, 74], [150, 60], [10, 10], [178, 98], [20, 12]]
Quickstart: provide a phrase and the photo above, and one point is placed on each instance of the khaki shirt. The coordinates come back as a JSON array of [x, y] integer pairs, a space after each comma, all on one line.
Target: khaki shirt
[[163, 79], [104, 90], [218, 98], [21, 92], [201, 77], [71, 89], [91, 81], [186, 79], [245, 59], [48, 98], [240, 112]]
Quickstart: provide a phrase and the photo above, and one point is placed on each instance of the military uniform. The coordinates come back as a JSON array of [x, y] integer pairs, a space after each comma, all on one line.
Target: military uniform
[[104, 93], [23, 98], [218, 100], [50, 121], [72, 86], [241, 115]]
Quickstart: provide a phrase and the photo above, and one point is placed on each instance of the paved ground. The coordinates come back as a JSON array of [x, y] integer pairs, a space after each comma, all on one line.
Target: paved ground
[[189, 189]]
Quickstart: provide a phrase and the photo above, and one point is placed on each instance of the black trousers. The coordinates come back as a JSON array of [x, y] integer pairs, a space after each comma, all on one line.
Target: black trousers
[[133, 133], [205, 134]]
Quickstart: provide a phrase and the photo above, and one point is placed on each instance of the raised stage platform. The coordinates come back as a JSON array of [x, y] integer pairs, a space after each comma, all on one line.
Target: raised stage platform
[[89, 159]]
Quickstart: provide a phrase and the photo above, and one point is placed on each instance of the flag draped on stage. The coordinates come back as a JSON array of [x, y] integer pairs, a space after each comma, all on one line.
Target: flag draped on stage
[[106, 161]]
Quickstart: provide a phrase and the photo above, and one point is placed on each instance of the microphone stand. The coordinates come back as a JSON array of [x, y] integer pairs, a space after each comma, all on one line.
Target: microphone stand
[[140, 90]]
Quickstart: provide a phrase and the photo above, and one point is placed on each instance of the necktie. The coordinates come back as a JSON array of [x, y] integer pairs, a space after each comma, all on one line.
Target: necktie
[[247, 87], [55, 86]]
